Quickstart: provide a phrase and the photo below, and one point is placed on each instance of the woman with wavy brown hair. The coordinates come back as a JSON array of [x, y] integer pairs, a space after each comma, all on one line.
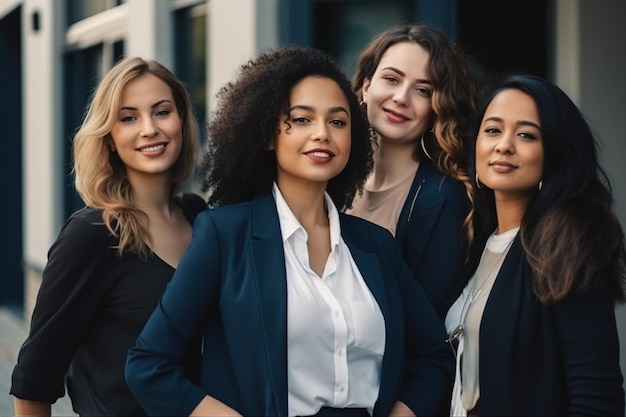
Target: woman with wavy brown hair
[[420, 98], [110, 264]]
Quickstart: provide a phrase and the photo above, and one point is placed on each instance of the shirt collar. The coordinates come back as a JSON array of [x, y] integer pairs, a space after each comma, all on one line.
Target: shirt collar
[[289, 224]]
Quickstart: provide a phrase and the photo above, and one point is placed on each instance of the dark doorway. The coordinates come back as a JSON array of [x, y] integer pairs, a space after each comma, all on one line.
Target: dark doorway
[[505, 38], [11, 242]]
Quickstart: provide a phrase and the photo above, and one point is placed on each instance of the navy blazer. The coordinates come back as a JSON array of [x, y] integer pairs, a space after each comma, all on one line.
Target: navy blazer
[[430, 232], [231, 286], [537, 359]]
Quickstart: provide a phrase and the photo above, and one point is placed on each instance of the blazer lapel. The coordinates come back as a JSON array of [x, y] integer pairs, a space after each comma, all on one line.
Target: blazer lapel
[[269, 266], [368, 264], [499, 325]]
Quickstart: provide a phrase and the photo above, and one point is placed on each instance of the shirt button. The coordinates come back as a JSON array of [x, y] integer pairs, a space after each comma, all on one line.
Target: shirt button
[[340, 352], [336, 313], [341, 389]]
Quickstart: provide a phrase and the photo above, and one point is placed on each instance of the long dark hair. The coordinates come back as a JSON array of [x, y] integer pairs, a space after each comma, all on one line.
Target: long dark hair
[[570, 234]]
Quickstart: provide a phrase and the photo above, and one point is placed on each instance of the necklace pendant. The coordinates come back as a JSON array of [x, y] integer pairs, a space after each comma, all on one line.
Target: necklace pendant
[[456, 333]]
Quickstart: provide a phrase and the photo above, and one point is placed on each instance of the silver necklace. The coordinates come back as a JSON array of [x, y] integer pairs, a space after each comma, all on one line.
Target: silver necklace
[[474, 292]]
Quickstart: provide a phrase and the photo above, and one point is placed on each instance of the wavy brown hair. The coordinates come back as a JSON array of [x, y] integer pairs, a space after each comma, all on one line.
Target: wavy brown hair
[[455, 98], [100, 175]]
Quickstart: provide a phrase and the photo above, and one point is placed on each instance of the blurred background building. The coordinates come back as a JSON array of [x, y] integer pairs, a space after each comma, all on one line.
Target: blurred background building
[[53, 52]]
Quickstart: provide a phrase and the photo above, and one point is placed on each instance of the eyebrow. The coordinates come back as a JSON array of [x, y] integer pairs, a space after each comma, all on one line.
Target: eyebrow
[[338, 109], [157, 104], [402, 73], [519, 123]]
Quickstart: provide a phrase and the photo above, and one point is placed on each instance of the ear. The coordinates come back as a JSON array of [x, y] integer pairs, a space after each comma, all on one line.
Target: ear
[[366, 86], [110, 143]]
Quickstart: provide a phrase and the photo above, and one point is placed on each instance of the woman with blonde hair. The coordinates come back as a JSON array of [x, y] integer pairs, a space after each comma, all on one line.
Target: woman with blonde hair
[[112, 260]]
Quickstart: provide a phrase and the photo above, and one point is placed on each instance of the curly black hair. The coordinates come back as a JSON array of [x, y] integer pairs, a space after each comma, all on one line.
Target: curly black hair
[[238, 165]]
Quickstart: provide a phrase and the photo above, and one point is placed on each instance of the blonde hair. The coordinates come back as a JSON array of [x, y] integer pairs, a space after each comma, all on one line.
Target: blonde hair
[[100, 176]]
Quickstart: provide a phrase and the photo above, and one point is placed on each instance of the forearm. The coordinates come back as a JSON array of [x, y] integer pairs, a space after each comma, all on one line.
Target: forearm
[[31, 408], [401, 409], [210, 406]]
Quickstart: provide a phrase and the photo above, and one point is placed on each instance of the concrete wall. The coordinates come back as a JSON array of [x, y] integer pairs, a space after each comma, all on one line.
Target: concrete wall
[[590, 67]]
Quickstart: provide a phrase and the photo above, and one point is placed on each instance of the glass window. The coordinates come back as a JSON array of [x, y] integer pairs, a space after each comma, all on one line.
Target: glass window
[[190, 65], [83, 69], [191, 55], [343, 28], [81, 9]]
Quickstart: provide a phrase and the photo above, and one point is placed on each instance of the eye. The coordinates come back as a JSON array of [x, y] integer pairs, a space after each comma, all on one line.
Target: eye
[[162, 113], [338, 123], [390, 79], [526, 135], [300, 120], [425, 92], [491, 130], [128, 118]]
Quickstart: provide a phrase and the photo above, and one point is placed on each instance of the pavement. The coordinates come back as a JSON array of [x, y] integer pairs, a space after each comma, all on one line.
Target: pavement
[[13, 331]]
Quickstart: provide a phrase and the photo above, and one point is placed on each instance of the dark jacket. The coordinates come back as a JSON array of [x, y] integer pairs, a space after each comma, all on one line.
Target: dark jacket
[[430, 232], [536, 359], [231, 286]]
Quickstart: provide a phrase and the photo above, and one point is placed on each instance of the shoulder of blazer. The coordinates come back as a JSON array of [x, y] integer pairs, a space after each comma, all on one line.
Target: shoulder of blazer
[[260, 213], [439, 183], [362, 233]]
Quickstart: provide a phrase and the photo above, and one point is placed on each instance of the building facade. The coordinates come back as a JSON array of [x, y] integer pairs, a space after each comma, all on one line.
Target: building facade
[[53, 52]]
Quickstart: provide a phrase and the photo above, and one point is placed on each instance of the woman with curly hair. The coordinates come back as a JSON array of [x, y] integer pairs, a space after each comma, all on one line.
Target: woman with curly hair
[[113, 258], [303, 310], [419, 96], [533, 323]]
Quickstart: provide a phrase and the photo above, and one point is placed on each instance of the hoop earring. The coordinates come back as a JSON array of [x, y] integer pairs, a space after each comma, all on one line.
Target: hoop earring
[[478, 184], [540, 184], [424, 147]]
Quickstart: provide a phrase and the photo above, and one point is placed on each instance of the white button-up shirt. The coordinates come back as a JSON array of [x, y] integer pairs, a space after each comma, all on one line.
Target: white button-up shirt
[[335, 329]]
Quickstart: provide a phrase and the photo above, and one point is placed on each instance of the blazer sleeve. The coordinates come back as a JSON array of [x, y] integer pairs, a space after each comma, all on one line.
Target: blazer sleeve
[[587, 333], [429, 376], [155, 370], [71, 292]]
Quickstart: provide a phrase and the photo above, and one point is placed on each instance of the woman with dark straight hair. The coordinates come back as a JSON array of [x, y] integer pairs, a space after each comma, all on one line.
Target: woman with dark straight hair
[[534, 327]]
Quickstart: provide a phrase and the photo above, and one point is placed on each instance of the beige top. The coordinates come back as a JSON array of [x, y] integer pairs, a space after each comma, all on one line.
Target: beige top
[[468, 310], [383, 207]]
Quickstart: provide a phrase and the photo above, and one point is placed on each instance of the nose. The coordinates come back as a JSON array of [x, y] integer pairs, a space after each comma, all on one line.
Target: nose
[[149, 128], [401, 96], [505, 144], [320, 132]]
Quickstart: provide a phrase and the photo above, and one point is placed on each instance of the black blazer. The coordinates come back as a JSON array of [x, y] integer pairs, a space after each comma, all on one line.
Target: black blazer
[[535, 359], [430, 232], [231, 287]]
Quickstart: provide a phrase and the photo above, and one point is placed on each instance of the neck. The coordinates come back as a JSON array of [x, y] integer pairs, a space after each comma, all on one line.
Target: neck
[[152, 194], [306, 202], [392, 163], [510, 212]]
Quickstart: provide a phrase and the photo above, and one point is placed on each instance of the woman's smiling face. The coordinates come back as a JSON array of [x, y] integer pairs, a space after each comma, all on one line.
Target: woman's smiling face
[[509, 147], [399, 95], [147, 134], [314, 143]]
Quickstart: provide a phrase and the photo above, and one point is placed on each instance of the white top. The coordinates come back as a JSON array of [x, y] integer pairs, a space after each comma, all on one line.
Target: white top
[[335, 329], [468, 310]]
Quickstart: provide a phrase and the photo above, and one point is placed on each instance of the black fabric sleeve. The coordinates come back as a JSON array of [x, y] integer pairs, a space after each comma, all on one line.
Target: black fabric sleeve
[[71, 292]]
